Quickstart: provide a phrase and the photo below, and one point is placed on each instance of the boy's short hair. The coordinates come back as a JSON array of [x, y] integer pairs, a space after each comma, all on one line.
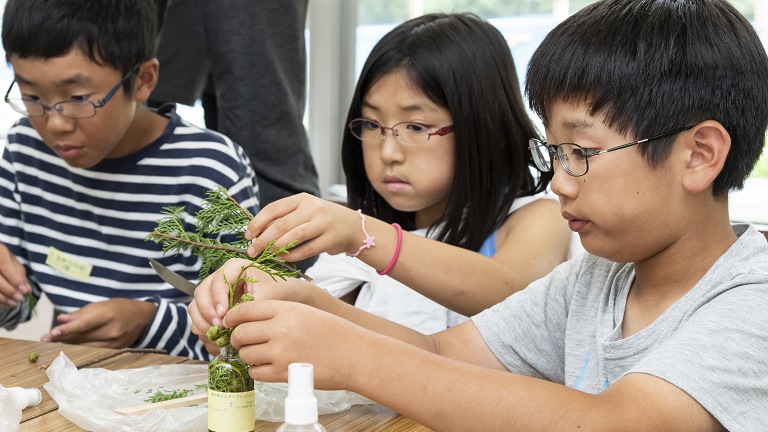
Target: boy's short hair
[[652, 66], [118, 33]]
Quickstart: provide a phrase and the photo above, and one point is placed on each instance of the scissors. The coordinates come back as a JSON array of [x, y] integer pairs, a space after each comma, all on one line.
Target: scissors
[[176, 280]]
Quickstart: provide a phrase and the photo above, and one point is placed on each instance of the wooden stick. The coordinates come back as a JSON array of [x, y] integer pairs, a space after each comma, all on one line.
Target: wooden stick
[[173, 403]]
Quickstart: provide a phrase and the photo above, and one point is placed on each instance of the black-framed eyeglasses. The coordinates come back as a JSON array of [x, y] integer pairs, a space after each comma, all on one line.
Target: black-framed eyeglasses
[[573, 157], [69, 108], [410, 134]]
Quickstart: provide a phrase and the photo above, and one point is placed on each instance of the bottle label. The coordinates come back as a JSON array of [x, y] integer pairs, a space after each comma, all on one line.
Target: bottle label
[[231, 411]]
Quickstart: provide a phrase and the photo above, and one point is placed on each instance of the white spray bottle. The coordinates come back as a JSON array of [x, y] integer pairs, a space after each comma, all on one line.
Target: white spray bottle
[[301, 403]]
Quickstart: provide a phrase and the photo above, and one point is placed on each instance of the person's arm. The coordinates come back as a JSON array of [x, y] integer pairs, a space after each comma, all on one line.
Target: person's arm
[[532, 241], [447, 381], [444, 394], [212, 299], [453, 382]]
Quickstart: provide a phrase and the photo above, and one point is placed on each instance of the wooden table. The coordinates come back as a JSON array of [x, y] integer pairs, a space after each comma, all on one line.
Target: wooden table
[[17, 371]]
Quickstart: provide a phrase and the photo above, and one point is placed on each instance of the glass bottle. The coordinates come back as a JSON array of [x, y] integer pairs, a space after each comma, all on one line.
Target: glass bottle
[[301, 403], [230, 393]]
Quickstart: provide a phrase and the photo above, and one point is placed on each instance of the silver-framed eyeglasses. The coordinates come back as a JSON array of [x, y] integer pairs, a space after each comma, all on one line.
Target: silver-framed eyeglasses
[[73, 108], [407, 133], [573, 157]]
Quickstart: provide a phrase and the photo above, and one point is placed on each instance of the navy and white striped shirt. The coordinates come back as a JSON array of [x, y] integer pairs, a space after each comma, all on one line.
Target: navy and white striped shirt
[[101, 216]]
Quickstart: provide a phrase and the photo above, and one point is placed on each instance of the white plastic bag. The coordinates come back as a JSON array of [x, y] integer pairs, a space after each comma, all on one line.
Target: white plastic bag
[[87, 397], [10, 412]]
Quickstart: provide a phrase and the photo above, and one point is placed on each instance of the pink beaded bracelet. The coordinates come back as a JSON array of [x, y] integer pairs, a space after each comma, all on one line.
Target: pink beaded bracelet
[[367, 241], [397, 250]]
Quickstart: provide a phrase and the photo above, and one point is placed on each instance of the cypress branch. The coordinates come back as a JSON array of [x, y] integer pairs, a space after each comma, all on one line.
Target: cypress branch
[[219, 217]]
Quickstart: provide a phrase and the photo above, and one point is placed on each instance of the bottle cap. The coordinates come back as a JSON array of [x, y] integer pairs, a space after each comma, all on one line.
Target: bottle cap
[[26, 397], [301, 403]]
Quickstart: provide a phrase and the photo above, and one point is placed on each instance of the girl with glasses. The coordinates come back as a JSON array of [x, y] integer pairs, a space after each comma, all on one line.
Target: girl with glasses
[[436, 157]]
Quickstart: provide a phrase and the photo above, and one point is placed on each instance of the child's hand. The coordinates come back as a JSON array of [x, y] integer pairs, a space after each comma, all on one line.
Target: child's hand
[[270, 335], [211, 301], [13, 279], [113, 323], [210, 346], [317, 225], [212, 296]]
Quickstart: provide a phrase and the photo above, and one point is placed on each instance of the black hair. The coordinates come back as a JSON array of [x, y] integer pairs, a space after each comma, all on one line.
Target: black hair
[[118, 33], [651, 66], [463, 64]]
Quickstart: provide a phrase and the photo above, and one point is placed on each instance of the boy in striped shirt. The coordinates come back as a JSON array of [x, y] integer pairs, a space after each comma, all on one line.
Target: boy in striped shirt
[[86, 173]]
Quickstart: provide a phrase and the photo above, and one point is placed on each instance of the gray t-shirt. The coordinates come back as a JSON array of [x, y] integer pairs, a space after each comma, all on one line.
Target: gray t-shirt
[[712, 343]]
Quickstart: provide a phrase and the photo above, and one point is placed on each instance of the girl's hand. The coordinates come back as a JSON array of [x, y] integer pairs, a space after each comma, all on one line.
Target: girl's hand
[[316, 225]]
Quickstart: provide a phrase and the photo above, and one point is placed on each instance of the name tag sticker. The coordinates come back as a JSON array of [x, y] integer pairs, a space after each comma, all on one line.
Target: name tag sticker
[[68, 264]]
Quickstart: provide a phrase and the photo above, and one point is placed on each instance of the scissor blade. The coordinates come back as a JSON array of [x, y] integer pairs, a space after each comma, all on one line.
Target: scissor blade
[[176, 280]]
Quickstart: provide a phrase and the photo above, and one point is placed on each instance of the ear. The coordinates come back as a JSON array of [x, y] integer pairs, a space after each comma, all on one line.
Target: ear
[[146, 80], [705, 153]]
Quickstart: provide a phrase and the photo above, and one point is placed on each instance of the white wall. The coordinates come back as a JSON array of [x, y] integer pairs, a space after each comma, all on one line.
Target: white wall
[[331, 80]]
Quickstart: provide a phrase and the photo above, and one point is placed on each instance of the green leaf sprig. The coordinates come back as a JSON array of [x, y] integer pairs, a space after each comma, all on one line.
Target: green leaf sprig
[[228, 374], [219, 214], [163, 395], [31, 302]]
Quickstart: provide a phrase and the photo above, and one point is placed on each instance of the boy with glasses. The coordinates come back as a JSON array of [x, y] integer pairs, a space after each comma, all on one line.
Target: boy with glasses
[[86, 173], [661, 327]]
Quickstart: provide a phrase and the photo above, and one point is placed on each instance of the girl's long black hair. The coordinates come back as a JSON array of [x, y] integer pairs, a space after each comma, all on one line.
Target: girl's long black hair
[[463, 64]]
